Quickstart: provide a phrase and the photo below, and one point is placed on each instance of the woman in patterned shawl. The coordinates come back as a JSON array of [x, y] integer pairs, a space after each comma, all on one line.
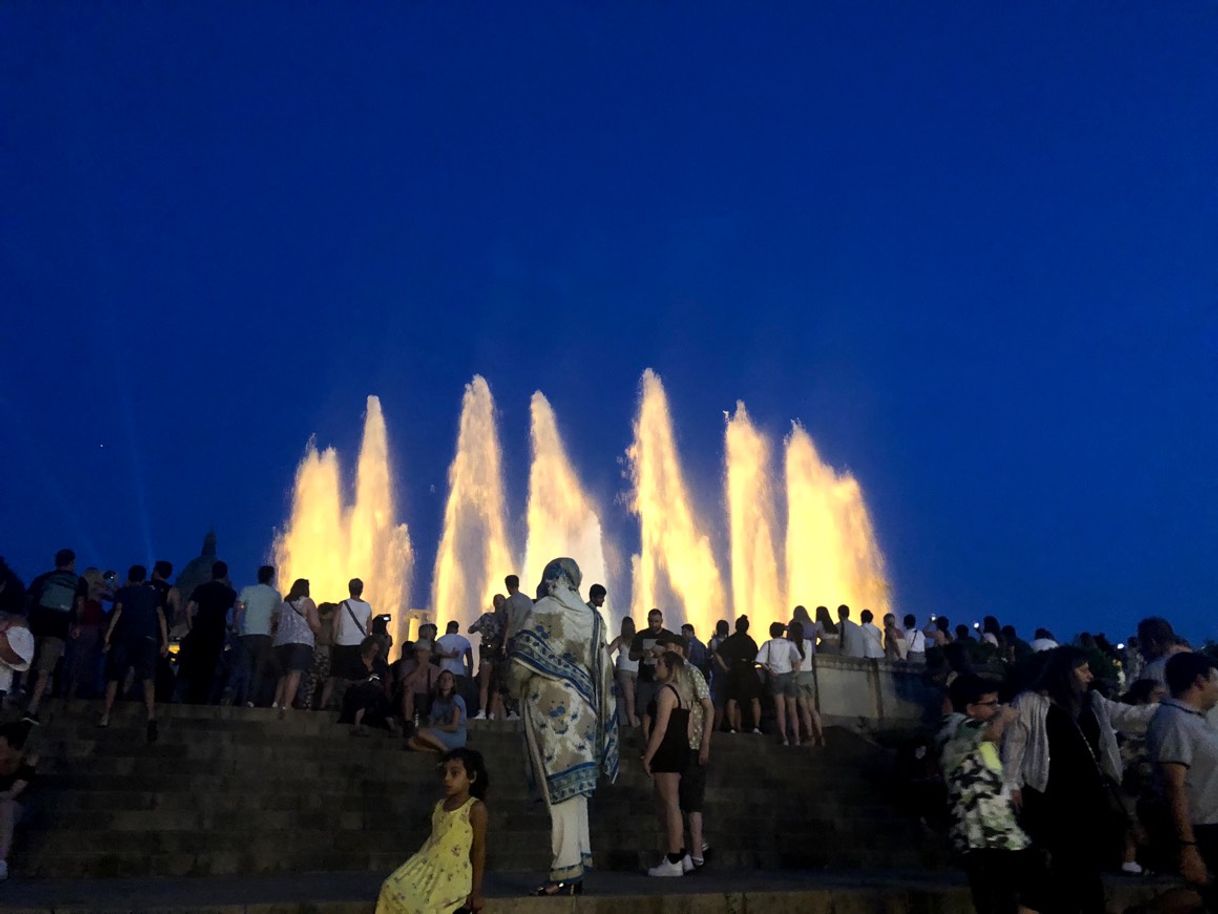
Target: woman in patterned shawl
[[563, 679]]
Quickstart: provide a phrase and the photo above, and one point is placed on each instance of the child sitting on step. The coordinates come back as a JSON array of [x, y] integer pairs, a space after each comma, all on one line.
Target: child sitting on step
[[447, 872]]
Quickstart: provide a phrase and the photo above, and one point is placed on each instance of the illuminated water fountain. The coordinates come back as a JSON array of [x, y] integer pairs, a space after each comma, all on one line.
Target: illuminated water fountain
[[830, 554], [329, 543], [563, 520], [757, 585], [676, 563], [474, 553]]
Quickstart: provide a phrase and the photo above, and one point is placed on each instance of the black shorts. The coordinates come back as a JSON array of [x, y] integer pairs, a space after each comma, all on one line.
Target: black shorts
[[692, 791], [294, 658], [139, 654], [345, 662], [743, 684], [1004, 880]]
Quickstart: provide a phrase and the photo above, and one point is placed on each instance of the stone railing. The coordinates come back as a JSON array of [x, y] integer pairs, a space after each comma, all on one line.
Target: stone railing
[[878, 694]]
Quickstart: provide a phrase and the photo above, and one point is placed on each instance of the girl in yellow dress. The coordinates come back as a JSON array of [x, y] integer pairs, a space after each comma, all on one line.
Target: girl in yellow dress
[[446, 873]]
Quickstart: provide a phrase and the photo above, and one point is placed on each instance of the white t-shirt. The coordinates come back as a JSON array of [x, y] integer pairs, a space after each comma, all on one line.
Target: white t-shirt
[[917, 643], [348, 632], [1045, 644], [624, 663], [779, 656], [453, 644], [805, 665], [873, 641]]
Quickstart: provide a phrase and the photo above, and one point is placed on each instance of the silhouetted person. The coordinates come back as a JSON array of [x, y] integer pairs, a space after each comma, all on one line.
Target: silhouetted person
[[207, 616], [851, 634], [596, 596], [739, 654], [136, 638], [1159, 643], [57, 599], [517, 607]]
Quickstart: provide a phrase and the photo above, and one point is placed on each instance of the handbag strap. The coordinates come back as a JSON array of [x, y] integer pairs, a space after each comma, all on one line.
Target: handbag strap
[[351, 613]]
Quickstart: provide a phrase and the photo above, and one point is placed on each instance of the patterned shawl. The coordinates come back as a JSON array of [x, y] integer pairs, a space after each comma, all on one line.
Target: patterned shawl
[[561, 673]]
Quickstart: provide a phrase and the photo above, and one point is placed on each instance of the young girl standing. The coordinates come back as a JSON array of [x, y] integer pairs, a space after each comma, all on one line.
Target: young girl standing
[[447, 871]]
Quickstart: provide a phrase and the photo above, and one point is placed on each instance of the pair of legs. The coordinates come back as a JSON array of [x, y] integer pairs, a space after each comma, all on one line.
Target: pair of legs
[[626, 682], [149, 686], [810, 718], [285, 690], [691, 793], [50, 651], [788, 711], [255, 651], [490, 702], [734, 716], [668, 810]]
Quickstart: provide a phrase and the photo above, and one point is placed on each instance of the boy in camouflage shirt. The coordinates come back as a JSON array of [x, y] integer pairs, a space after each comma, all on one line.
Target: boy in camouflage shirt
[[1004, 872]]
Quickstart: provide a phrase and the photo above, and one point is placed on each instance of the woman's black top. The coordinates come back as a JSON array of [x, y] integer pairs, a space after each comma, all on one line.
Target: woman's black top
[[673, 754]]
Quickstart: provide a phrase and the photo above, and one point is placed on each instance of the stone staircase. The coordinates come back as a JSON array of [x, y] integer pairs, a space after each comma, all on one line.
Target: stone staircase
[[233, 791]]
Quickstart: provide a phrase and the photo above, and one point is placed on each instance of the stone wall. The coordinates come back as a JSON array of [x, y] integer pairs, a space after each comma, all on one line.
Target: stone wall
[[876, 694]]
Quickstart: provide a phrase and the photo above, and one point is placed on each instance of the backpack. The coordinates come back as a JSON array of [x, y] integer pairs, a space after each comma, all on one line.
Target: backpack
[[59, 592]]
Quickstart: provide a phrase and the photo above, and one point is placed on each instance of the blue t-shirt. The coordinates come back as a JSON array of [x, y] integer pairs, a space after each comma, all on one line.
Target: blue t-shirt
[[442, 711]]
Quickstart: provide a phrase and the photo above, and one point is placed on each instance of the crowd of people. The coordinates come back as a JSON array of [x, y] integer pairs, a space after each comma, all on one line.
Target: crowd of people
[[1063, 761], [1045, 752]]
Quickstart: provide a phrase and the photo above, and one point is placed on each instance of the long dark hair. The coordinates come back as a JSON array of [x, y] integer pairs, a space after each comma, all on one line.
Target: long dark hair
[[1058, 678], [475, 769], [826, 621], [795, 632]]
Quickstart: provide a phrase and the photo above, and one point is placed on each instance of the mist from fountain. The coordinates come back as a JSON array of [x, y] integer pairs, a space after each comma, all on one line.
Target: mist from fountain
[[474, 553], [676, 562], [563, 519], [832, 555], [757, 585], [329, 543]]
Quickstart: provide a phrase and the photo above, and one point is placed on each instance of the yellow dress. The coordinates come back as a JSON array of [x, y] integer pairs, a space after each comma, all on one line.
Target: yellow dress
[[439, 877]]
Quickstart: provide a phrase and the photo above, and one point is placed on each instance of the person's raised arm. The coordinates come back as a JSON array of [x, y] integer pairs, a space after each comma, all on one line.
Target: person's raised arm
[[665, 702], [477, 854]]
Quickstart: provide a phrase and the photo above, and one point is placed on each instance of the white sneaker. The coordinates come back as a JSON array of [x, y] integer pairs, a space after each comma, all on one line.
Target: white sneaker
[[481, 715], [666, 868], [687, 864], [513, 716], [1132, 868], [758, 732]]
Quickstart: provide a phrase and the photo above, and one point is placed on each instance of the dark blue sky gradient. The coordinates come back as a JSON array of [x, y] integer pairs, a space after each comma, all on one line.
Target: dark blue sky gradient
[[971, 246]]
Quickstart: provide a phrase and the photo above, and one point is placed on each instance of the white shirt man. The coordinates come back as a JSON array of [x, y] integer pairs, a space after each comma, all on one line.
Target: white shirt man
[[352, 622], [873, 638], [456, 653]]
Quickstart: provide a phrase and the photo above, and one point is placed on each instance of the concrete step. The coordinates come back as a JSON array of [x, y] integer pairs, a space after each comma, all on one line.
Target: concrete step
[[717, 890]]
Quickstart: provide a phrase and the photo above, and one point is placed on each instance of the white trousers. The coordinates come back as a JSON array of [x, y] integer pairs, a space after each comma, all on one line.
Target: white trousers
[[569, 840]]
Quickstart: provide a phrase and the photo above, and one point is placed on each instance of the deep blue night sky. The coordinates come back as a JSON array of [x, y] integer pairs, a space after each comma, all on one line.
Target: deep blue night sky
[[971, 246]]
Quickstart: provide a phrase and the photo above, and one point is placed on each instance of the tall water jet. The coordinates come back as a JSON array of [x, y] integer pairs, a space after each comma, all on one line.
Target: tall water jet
[[832, 553], [474, 554], [329, 544], [562, 518], [757, 587], [675, 557]]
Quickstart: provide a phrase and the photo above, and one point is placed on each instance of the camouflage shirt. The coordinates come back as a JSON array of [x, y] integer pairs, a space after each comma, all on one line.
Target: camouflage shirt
[[980, 809]]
